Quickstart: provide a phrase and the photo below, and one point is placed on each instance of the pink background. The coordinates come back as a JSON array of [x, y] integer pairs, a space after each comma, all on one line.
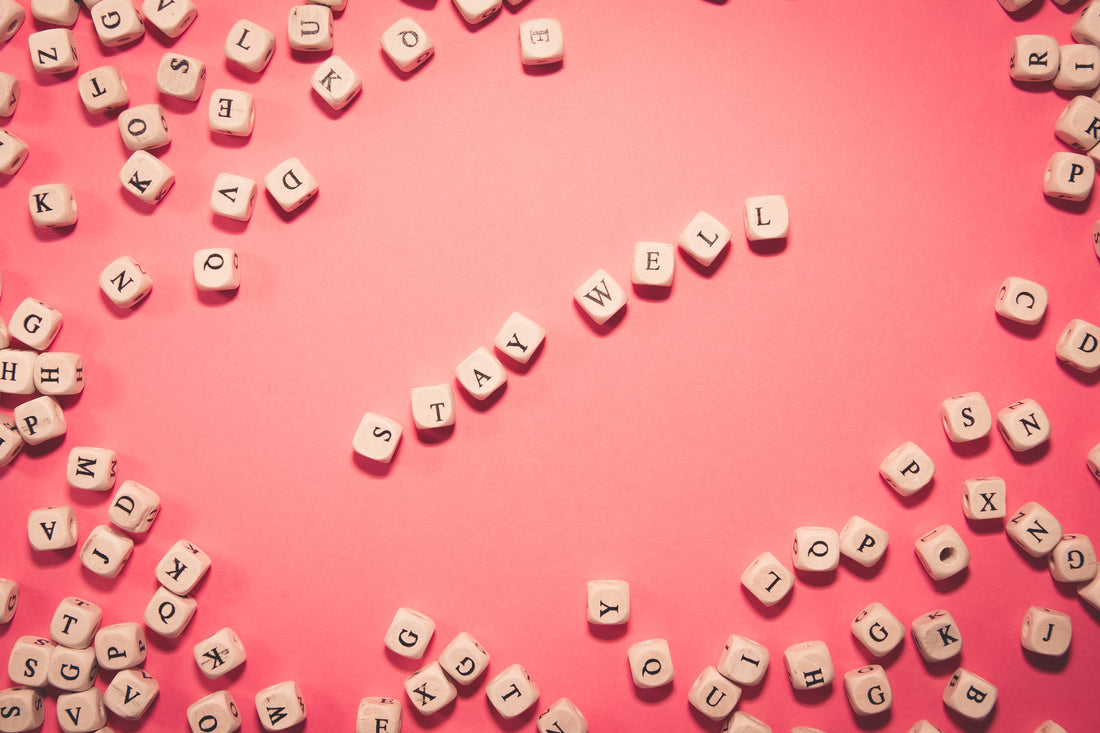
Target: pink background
[[668, 450]]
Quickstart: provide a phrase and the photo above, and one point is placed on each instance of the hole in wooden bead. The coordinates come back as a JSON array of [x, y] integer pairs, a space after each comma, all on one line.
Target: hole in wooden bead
[[948, 555]]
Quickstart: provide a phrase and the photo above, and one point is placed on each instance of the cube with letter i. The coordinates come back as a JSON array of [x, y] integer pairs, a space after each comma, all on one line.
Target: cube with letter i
[[1078, 67], [743, 660], [768, 579], [541, 41]]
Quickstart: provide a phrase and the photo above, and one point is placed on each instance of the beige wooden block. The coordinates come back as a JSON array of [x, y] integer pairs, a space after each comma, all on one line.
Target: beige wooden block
[[480, 374], [815, 549], [55, 12], [117, 22], [969, 695], [53, 51], [310, 28], [216, 269], [40, 420], [92, 469], [233, 197], [1021, 300], [713, 695], [81, 712], [52, 205], [743, 660], [59, 373], [1023, 425], [966, 417], [21, 709], [134, 507], [105, 551], [377, 437], [704, 238], [868, 690], [17, 371], [52, 528], [809, 665], [280, 706], [120, 646], [1069, 176], [942, 552], [907, 469], [146, 177], [768, 579], [654, 264], [766, 217], [220, 653], [464, 659], [1073, 559], [168, 614], [103, 90], [232, 112], [10, 89], [936, 635], [1078, 67], [170, 17], [1034, 529], [863, 541], [563, 716], [125, 282], [1046, 631], [182, 567], [430, 689], [608, 602], [72, 670], [183, 77], [11, 442], [985, 498], [1033, 57], [378, 715], [291, 185], [512, 692], [9, 599], [214, 713], [409, 633], [1077, 346], [249, 45], [131, 692], [600, 297], [13, 153], [650, 663], [29, 660], [336, 82], [35, 323], [407, 45], [478, 11], [878, 630], [519, 338], [742, 722], [541, 41], [1089, 592], [433, 407]]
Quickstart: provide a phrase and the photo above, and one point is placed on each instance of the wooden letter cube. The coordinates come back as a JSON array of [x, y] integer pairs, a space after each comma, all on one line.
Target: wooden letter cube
[[1077, 344], [1033, 58], [29, 660], [409, 633], [908, 469], [103, 90], [942, 552], [21, 709], [309, 28], [12, 16], [1023, 425], [120, 646], [766, 217], [1046, 632], [1021, 300], [233, 196], [52, 528], [862, 541], [816, 549], [519, 338], [53, 51], [9, 94], [11, 442], [290, 184], [1073, 559], [168, 614], [280, 706], [79, 712], [654, 264], [878, 630], [429, 689], [92, 469], [216, 269], [125, 282], [407, 45], [868, 690], [59, 373], [464, 659], [966, 417], [650, 663], [378, 715], [768, 579], [17, 371], [72, 670], [55, 12], [1034, 529], [180, 76], [809, 665], [969, 695], [433, 407], [1069, 176], [704, 238], [249, 45], [35, 323], [377, 437], [52, 205], [170, 17], [742, 722], [13, 153], [336, 82], [219, 654], [131, 693], [713, 695], [117, 22], [743, 660], [106, 551], [562, 717], [215, 713], [182, 567], [541, 41], [480, 374], [985, 498], [478, 11], [1078, 67], [600, 297], [512, 692], [134, 507], [936, 635], [145, 177], [9, 600], [232, 112], [608, 602], [39, 420]]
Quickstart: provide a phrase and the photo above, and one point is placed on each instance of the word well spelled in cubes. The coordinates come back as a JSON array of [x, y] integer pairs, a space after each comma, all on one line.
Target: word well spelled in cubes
[[103, 90], [182, 567], [52, 205], [512, 692], [541, 41], [600, 297], [220, 653], [650, 663], [704, 238], [464, 659], [409, 633], [280, 706], [125, 282], [291, 185], [216, 269], [377, 437], [429, 689], [907, 469], [608, 602]]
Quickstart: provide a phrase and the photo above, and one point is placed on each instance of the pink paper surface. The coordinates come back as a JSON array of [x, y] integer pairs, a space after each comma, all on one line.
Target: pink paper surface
[[668, 449]]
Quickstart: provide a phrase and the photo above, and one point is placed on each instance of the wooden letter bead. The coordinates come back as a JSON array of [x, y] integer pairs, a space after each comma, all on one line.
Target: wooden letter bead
[[134, 507], [17, 371], [59, 373], [1073, 559], [171, 17], [985, 498], [220, 653], [608, 602], [179, 76], [1069, 176], [131, 692], [216, 269], [249, 45], [654, 264], [378, 715], [52, 528], [168, 614], [464, 659], [280, 706], [868, 690], [815, 549], [40, 420], [232, 112], [429, 689], [433, 407], [478, 11], [1078, 126], [713, 695], [704, 238], [562, 717], [809, 665], [1086, 28], [480, 374], [103, 90], [215, 713], [1046, 632], [12, 16], [1078, 344], [52, 205], [942, 552], [309, 28], [1021, 300], [9, 94], [377, 437], [9, 600], [878, 630], [1023, 425], [742, 722], [1034, 529], [936, 635], [967, 416], [923, 726], [512, 692], [146, 177], [969, 695], [233, 196], [290, 184], [863, 542], [92, 469], [30, 660], [182, 567], [409, 633], [541, 41], [106, 551], [35, 323], [766, 217], [600, 297], [1033, 58], [743, 660], [117, 22], [80, 712], [1078, 67], [120, 646], [407, 45], [519, 338], [144, 127], [125, 282], [72, 670], [650, 663], [336, 82], [21, 709], [13, 153], [11, 442], [768, 579], [55, 12], [908, 469]]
